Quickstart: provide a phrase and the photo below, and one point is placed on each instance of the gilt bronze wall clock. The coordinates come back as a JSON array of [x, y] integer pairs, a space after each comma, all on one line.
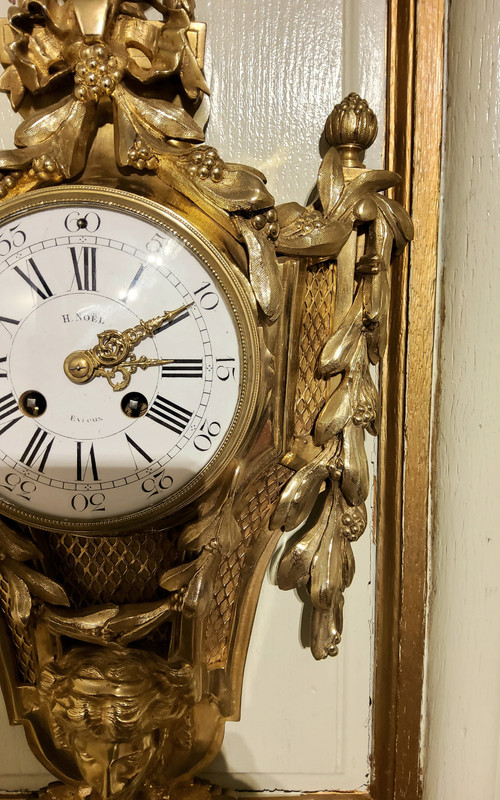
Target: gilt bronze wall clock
[[185, 373], [156, 430]]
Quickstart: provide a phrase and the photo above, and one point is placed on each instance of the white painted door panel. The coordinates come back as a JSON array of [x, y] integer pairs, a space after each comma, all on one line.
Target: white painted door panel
[[462, 758], [276, 68]]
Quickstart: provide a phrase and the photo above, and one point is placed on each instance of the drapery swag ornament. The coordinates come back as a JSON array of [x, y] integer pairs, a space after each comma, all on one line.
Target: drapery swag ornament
[[127, 611]]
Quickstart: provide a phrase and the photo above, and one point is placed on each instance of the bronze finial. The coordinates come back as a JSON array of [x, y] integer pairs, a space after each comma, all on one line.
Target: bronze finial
[[352, 129]]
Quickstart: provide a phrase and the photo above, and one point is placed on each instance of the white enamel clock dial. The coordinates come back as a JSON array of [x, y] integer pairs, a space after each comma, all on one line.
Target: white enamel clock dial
[[86, 455]]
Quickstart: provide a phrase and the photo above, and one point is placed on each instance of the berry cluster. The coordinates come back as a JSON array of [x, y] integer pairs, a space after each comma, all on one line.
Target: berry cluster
[[7, 182], [353, 524], [97, 73], [310, 220], [364, 414], [269, 220], [141, 156], [335, 470], [46, 168], [205, 163]]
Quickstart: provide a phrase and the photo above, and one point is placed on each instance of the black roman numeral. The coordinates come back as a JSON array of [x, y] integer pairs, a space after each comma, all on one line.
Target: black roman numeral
[[35, 452], [139, 449], [169, 414], [8, 406], [87, 280], [174, 321], [183, 368], [3, 370], [84, 464], [41, 288], [9, 320], [136, 277]]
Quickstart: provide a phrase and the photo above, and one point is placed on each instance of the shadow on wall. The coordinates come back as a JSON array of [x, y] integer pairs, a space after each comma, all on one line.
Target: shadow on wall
[[221, 774]]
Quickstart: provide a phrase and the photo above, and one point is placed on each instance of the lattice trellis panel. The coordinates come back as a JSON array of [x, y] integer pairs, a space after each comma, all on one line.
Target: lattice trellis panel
[[119, 570], [252, 522], [311, 390]]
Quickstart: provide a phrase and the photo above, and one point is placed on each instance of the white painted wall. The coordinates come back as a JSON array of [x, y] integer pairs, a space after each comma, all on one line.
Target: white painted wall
[[462, 757], [276, 68]]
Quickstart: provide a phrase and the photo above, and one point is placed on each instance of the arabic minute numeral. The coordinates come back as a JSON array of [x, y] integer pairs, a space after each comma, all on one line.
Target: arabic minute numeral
[[203, 441], [12, 239], [156, 243], [81, 502], [208, 298], [156, 483], [89, 222], [19, 487], [225, 368]]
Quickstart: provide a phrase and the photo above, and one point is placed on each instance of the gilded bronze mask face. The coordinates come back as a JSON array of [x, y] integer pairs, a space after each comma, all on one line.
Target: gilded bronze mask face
[[115, 710], [114, 769]]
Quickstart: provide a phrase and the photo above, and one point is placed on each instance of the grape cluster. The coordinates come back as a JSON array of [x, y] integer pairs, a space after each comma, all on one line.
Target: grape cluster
[[205, 163], [97, 73]]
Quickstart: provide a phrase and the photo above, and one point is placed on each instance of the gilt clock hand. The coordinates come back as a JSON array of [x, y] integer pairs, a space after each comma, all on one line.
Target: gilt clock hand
[[113, 353], [127, 368]]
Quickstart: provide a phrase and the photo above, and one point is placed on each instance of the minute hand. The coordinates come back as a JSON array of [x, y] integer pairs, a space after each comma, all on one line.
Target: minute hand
[[149, 328], [113, 349]]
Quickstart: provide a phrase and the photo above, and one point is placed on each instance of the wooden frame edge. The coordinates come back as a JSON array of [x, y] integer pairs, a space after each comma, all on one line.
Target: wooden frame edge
[[414, 124], [354, 795], [27, 795], [230, 795]]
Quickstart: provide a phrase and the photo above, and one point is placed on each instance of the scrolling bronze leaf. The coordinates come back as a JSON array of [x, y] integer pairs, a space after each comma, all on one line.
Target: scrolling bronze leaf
[[122, 649]]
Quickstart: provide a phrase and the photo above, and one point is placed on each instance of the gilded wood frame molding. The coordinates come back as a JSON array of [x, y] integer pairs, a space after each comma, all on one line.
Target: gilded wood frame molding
[[414, 125]]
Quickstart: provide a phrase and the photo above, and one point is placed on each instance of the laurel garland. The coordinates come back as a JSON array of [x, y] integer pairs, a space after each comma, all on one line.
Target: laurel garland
[[325, 499]]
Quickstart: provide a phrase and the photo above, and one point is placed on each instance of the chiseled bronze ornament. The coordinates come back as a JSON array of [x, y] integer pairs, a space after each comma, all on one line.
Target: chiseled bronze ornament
[[124, 639]]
